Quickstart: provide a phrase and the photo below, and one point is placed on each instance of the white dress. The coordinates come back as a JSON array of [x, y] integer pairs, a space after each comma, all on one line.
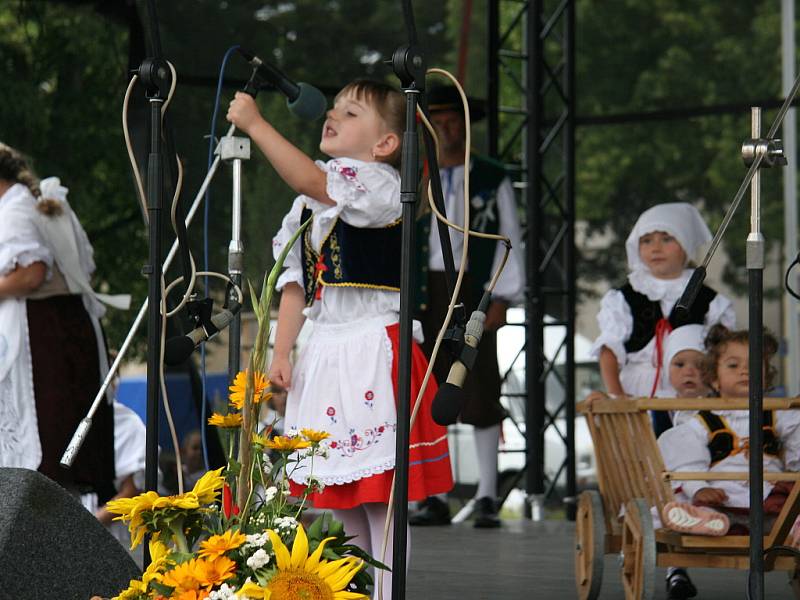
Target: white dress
[[21, 245], [638, 369], [342, 380]]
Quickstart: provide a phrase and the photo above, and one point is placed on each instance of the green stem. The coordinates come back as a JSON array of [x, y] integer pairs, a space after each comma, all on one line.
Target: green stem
[[180, 539]]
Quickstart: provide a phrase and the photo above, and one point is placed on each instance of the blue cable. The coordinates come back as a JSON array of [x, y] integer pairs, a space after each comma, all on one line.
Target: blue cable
[[206, 209]]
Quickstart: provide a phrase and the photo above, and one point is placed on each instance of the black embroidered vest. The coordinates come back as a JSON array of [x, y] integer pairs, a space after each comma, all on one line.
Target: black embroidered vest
[[367, 257], [723, 441], [646, 313]]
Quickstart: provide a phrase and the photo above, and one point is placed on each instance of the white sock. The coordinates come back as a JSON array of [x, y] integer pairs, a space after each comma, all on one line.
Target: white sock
[[487, 439], [376, 516]]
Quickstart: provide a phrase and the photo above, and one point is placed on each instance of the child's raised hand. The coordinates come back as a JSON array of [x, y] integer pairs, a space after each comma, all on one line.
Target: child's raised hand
[[280, 371], [243, 112], [709, 496]]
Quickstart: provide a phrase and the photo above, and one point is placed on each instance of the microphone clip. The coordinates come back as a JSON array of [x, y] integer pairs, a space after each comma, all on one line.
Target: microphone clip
[[199, 312]]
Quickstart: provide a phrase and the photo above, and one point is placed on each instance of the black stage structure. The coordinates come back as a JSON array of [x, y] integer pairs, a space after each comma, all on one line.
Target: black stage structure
[[532, 129]]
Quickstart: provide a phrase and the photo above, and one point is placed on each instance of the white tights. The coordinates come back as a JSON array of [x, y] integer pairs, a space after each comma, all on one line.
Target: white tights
[[366, 523]]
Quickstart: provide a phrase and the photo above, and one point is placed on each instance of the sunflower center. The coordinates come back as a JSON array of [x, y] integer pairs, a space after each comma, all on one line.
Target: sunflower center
[[297, 584]]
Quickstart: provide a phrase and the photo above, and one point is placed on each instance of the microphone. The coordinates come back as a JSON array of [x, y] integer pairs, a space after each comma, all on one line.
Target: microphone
[[304, 100], [449, 399], [686, 300], [179, 348]]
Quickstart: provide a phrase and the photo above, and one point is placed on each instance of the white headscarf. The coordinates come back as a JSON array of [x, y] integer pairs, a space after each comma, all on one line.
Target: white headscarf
[[679, 219], [688, 337]]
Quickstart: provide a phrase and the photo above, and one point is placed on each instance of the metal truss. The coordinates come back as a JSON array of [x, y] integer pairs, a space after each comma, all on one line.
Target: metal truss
[[531, 101]]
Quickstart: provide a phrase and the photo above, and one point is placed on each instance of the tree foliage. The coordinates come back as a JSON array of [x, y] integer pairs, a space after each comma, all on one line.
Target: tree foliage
[[64, 67]]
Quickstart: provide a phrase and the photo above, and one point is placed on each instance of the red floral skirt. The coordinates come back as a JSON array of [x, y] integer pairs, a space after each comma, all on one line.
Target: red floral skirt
[[429, 471]]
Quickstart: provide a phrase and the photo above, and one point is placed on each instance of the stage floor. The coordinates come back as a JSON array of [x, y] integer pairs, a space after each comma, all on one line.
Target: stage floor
[[526, 560]]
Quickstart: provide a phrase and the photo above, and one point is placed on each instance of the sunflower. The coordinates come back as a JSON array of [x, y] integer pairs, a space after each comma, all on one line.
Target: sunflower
[[208, 486], [217, 545], [314, 436], [303, 576], [229, 421], [237, 390], [283, 443]]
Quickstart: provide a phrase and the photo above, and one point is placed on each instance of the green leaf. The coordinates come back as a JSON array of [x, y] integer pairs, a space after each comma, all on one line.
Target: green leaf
[[276, 269], [314, 531]]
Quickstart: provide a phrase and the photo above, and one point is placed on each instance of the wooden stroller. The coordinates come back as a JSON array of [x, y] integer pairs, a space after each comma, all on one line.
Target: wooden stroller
[[632, 479]]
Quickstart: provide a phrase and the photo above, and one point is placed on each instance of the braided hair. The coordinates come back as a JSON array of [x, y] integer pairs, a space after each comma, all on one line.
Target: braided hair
[[15, 167]]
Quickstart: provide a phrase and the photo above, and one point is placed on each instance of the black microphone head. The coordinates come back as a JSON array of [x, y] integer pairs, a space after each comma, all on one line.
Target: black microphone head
[[310, 103], [177, 350], [447, 404]]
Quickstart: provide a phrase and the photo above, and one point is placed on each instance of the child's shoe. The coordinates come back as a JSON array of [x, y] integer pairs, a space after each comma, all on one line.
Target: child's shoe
[[698, 520]]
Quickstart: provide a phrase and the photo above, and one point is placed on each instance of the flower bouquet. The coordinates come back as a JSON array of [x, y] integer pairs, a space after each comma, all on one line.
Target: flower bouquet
[[237, 534]]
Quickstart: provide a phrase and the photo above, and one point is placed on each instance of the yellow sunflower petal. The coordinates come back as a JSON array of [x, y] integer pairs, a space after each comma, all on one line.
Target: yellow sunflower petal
[[313, 560], [349, 596], [208, 486], [329, 568], [341, 578], [253, 590], [299, 548], [282, 557]]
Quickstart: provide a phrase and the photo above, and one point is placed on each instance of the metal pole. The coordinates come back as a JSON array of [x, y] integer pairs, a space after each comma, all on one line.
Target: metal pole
[[569, 258], [755, 271], [235, 268], [534, 311], [492, 77], [791, 327]]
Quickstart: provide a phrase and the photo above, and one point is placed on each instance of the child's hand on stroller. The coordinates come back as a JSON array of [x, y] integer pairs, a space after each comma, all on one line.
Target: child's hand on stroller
[[709, 496]]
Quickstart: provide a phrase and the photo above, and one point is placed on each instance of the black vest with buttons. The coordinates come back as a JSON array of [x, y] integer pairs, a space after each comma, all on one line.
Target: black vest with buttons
[[646, 313], [365, 257]]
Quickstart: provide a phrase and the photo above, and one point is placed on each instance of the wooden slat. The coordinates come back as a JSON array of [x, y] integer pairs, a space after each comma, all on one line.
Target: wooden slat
[[725, 476], [783, 524], [709, 542], [721, 561], [628, 405]]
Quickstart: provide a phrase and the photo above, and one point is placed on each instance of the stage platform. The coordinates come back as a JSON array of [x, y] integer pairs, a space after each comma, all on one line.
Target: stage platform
[[527, 561]]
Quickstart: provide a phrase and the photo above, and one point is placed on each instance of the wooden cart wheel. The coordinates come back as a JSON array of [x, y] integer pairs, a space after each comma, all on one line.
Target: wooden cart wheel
[[638, 554], [590, 530]]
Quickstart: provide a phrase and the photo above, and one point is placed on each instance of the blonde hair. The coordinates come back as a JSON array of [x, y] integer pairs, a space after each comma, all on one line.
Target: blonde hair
[[389, 103]]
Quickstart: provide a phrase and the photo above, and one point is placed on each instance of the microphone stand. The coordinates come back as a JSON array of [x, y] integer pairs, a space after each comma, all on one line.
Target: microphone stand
[[235, 149], [241, 149], [757, 152], [154, 74], [409, 65]]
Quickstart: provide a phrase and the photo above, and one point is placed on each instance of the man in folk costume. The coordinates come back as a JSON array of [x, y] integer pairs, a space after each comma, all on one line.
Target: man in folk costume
[[492, 210]]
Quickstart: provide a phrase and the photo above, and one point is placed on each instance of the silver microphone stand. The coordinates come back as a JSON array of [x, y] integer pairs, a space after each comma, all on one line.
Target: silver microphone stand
[[235, 149], [757, 152], [80, 433]]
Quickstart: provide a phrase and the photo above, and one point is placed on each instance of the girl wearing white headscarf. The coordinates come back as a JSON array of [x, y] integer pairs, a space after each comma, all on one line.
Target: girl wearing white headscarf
[[635, 318], [52, 353]]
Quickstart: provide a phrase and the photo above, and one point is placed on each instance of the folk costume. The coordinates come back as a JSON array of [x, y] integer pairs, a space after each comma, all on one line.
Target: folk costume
[[718, 441], [53, 356], [344, 380], [635, 318], [492, 210]]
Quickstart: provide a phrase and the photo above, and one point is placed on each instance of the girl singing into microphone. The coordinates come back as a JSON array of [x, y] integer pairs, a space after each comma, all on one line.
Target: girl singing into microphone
[[345, 278]]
